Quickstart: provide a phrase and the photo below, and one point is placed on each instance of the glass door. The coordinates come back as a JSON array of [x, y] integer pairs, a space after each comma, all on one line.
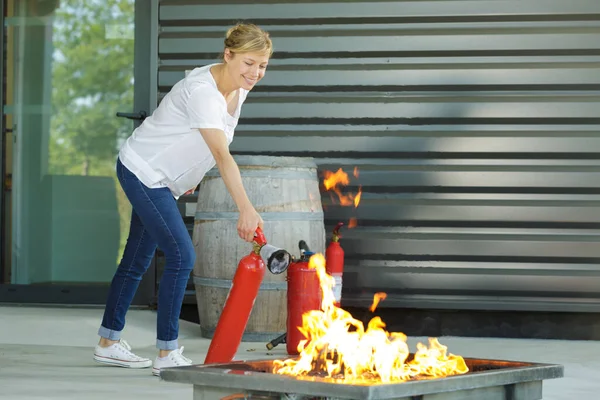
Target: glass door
[[71, 66]]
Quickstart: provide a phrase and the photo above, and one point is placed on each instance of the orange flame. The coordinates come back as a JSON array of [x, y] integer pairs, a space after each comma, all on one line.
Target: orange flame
[[376, 299], [338, 347], [357, 198], [332, 181]]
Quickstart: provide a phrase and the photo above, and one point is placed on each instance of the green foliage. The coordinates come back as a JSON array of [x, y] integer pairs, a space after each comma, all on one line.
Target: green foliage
[[92, 79]]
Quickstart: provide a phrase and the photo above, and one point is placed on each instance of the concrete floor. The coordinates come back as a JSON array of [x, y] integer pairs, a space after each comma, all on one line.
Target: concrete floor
[[46, 353]]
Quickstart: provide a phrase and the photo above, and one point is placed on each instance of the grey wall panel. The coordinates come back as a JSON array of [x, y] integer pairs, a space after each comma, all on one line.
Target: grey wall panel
[[382, 42], [475, 126], [312, 77], [444, 10], [336, 141], [420, 107]]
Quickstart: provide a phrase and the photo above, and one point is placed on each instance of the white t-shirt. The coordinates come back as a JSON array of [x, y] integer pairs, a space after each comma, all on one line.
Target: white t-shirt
[[167, 150]]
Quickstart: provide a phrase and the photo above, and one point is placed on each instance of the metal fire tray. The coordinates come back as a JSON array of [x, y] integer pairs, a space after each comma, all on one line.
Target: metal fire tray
[[486, 380]]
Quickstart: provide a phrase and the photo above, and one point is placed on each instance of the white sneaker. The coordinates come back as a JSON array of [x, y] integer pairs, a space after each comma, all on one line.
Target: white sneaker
[[120, 355], [174, 359]]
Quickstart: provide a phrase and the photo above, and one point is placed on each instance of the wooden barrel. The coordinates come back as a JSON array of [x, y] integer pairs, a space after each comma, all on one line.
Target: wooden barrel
[[285, 192]]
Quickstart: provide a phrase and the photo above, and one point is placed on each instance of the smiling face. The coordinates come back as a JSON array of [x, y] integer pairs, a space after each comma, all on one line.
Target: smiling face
[[245, 69]]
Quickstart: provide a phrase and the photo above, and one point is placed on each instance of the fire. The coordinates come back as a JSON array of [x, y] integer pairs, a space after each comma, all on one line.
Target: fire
[[332, 181], [337, 346], [376, 299], [357, 198]]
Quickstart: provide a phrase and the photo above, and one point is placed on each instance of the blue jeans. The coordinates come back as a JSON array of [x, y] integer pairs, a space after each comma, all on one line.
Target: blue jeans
[[155, 221]]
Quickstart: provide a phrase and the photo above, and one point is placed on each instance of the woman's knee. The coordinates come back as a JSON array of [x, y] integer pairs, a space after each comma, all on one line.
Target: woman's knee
[[182, 257], [188, 256]]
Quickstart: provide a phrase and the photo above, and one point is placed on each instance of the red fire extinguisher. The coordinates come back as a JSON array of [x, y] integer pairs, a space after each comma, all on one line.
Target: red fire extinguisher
[[334, 263], [242, 295], [304, 294]]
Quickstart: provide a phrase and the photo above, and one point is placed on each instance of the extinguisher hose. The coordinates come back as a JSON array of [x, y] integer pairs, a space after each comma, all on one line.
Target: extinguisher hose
[[336, 232]]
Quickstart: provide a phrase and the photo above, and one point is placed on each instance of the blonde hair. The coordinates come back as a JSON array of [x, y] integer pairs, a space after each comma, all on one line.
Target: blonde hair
[[248, 38]]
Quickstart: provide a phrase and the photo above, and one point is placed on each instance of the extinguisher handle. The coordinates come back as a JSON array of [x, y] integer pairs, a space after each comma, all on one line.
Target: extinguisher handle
[[259, 237]]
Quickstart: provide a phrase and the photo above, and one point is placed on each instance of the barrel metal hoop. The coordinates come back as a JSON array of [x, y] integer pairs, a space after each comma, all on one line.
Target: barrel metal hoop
[[267, 216], [226, 283], [259, 161], [271, 173]]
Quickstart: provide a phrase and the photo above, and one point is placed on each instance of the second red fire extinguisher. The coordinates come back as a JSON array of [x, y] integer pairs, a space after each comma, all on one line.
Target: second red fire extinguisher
[[334, 263], [304, 294]]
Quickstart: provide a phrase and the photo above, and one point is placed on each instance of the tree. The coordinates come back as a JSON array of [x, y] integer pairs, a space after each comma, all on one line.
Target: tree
[[92, 79]]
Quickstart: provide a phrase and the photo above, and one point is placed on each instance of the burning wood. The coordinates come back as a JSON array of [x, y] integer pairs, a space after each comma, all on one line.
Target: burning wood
[[338, 347]]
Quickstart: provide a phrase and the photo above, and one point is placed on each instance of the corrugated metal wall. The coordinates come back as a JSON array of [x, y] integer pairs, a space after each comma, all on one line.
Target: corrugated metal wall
[[474, 125]]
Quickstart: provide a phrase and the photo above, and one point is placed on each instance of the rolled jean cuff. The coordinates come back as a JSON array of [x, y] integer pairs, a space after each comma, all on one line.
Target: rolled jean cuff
[[109, 333], [167, 344]]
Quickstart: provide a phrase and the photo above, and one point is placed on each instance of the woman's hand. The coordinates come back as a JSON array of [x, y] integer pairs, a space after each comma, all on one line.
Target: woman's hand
[[248, 221]]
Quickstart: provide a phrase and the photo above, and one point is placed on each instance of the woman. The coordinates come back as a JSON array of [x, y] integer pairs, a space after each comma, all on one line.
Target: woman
[[166, 157]]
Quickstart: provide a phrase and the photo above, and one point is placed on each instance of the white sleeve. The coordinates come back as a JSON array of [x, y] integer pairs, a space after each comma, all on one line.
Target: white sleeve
[[205, 109]]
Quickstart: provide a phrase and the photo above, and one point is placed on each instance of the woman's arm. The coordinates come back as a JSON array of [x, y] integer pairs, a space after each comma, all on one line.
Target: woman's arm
[[249, 219]]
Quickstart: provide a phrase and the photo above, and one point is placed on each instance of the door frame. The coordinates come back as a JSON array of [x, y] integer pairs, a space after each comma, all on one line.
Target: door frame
[[3, 240], [145, 92]]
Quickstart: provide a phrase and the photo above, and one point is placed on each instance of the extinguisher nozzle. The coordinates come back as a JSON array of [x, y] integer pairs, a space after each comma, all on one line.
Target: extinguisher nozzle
[[278, 340], [276, 259], [303, 247]]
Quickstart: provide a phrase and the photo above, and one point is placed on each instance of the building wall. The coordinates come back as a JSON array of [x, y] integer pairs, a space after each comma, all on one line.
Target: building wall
[[474, 126]]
